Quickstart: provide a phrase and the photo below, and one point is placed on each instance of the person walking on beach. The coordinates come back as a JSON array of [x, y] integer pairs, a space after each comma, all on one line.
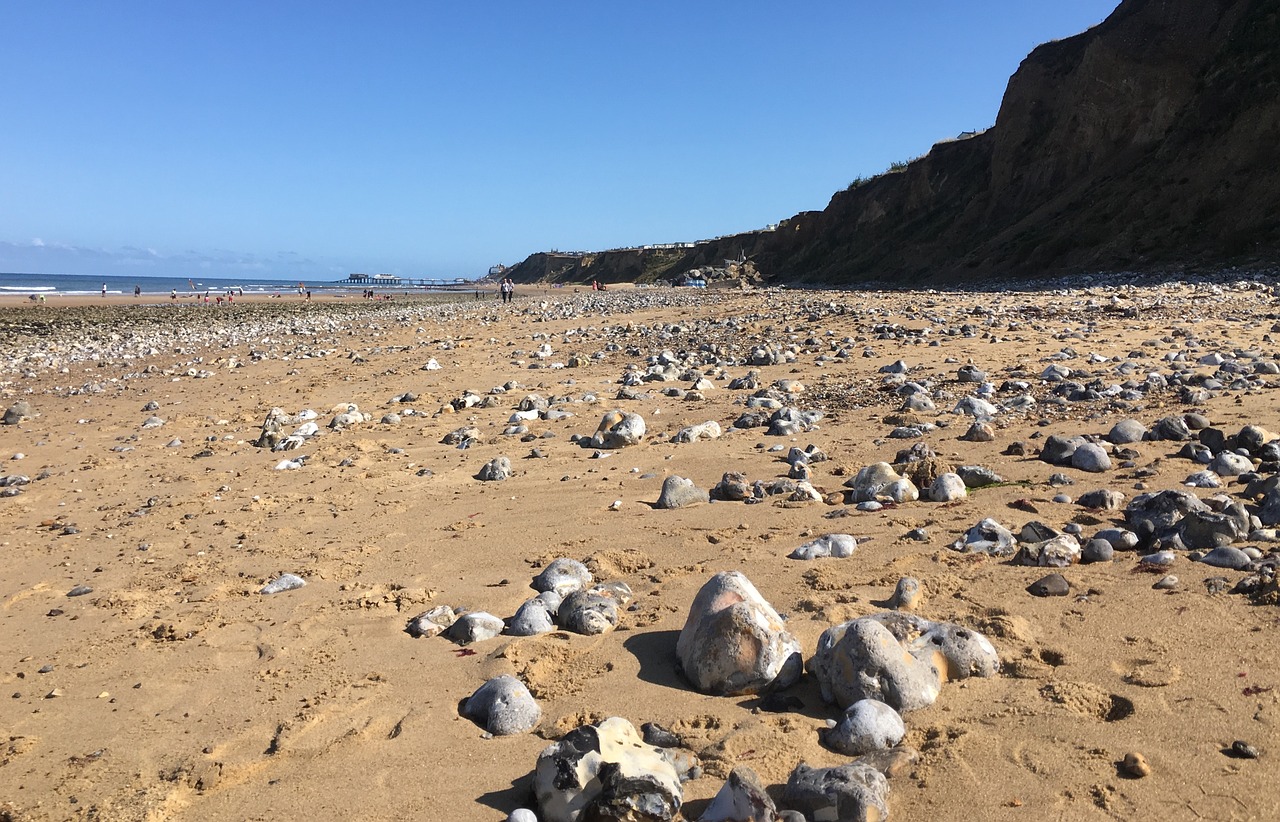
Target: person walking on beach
[[137, 291], [104, 289], [508, 289]]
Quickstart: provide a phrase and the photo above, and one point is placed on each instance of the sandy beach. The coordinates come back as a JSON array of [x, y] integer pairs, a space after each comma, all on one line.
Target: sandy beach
[[173, 690]]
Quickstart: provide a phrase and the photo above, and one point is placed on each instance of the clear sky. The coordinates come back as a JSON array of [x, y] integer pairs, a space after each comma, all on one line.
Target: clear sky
[[312, 139]]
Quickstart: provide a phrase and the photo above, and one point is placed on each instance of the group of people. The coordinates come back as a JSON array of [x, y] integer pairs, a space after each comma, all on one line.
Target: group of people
[[507, 289]]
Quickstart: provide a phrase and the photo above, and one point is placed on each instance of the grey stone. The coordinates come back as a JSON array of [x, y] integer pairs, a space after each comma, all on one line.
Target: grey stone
[[1103, 498], [742, 798], [1227, 557], [495, 470], [862, 659], [1229, 464], [1058, 450], [535, 616], [1126, 432], [1097, 550], [618, 429], [987, 537], [1056, 552], [947, 488], [979, 432], [847, 793], [678, 492], [978, 476], [971, 373], [588, 613], [503, 706], [708, 430], [431, 623], [871, 481], [564, 576], [906, 594], [476, 626], [1090, 457], [1170, 428], [606, 772], [20, 411], [1054, 585], [734, 642], [282, 583], [867, 725], [1203, 479], [838, 546], [522, 814], [733, 486]]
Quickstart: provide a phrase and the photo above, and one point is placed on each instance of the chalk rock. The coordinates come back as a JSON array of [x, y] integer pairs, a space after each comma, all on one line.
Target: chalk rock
[[847, 793], [618, 429], [947, 488], [678, 492], [282, 583], [829, 545], [474, 627], [606, 772], [1230, 464], [503, 706], [734, 642], [588, 613], [861, 659], [564, 576], [495, 470], [708, 430], [1056, 552], [742, 798], [431, 623], [867, 725], [906, 594]]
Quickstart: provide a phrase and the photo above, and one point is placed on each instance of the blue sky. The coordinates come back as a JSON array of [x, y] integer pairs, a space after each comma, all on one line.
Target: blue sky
[[308, 139]]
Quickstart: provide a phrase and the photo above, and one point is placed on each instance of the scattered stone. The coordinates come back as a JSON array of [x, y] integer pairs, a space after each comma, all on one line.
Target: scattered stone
[[535, 616], [476, 626], [431, 623], [838, 546], [606, 772], [1243, 750], [948, 488], [1167, 583], [495, 470], [867, 725], [618, 429], [1126, 431], [734, 642], [708, 430], [1097, 550], [1227, 557], [1090, 457], [503, 706], [854, 792], [282, 583], [17, 412], [563, 576], [907, 594], [742, 798], [679, 492], [987, 537], [1053, 585], [1135, 764]]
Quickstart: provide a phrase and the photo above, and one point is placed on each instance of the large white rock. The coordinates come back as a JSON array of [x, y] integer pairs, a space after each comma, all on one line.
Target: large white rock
[[606, 771], [619, 429], [734, 642]]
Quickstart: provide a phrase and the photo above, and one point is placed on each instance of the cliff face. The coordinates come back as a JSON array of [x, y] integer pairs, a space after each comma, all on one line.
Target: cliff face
[[1151, 140]]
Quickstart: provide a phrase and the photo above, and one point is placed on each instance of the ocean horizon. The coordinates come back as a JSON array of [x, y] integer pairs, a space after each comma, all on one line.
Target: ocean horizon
[[84, 284]]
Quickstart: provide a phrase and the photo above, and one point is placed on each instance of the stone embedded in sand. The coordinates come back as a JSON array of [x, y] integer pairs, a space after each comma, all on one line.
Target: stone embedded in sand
[[1056, 552], [282, 583], [495, 470], [871, 481], [838, 546], [733, 486], [734, 642], [906, 594], [742, 798], [1103, 499], [708, 430], [1126, 432], [606, 772], [618, 429], [957, 652], [861, 659], [535, 616], [564, 576], [1090, 457], [987, 537], [476, 626], [1230, 464], [18, 412], [847, 793], [1053, 585], [679, 492], [1227, 557], [431, 623], [503, 706], [461, 435], [867, 725], [588, 613], [948, 488], [152, 422], [979, 432], [1057, 450]]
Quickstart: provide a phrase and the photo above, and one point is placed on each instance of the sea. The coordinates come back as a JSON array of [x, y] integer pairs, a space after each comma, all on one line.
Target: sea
[[51, 284]]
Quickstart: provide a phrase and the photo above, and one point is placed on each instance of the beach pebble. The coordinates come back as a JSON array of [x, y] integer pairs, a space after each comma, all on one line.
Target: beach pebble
[[862, 659], [431, 623], [708, 430], [734, 642], [947, 488], [520, 814], [1166, 583], [742, 798], [907, 594], [867, 725], [618, 429], [987, 537], [1097, 550], [588, 613], [495, 470], [1243, 750], [1053, 585], [606, 772], [854, 792], [79, 591], [476, 626], [1126, 431], [503, 706], [1227, 557], [1103, 499], [1090, 457], [1135, 764], [871, 481], [838, 546], [1056, 552], [284, 582], [17, 412], [563, 576], [535, 616], [678, 492]]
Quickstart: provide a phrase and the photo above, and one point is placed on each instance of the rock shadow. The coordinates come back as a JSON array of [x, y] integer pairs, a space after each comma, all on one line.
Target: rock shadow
[[656, 653], [519, 795]]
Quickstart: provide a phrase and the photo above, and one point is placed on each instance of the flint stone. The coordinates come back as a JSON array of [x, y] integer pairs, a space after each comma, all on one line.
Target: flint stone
[[1229, 464], [734, 642], [476, 626], [678, 492], [1057, 552], [1103, 498], [978, 476], [867, 725], [733, 486], [742, 798], [987, 537], [606, 772], [1227, 557], [1097, 550], [536, 616], [1054, 585], [906, 594], [900, 491], [503, 706], [838, 546], [618, 429], [971, 373], [1203, 479], [495, 470], [871, 481], [563, 576], [1090, 457], [431, 623], [18, 412], [1126, 432], [1058, 450], [947, 487], [979, 432], [588, 613], [862, 659], [282, 583], [1170, 428], [708, 430], [846, 793], [975, 407]]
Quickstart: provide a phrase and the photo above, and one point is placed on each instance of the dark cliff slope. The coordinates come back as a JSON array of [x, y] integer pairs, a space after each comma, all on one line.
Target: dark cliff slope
[[1151, 140]]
